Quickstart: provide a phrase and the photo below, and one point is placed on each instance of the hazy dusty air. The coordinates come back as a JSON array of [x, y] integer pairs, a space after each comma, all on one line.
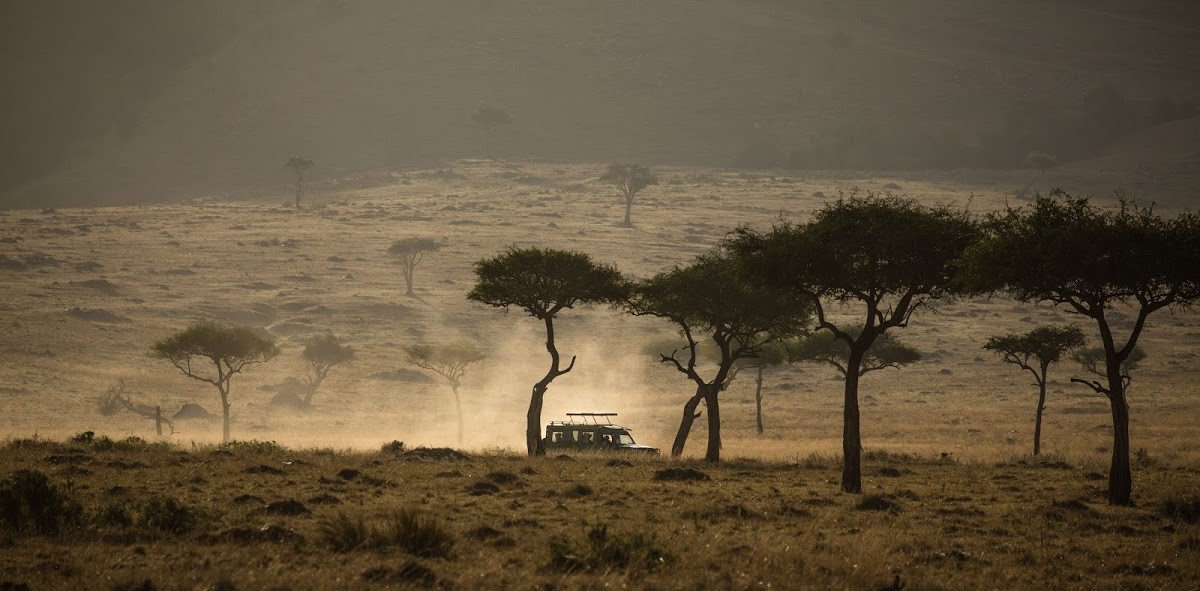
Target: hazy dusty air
[[132, 101]]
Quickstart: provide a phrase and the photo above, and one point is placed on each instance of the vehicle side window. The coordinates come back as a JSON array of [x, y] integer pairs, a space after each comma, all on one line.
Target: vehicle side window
[[587, 437], [556, 437]]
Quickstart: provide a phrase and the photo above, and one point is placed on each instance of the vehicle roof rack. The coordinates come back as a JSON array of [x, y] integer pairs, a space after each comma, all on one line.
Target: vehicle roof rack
[[595, 417]]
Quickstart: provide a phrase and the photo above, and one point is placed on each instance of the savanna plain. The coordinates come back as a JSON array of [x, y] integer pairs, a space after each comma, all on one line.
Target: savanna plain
[[369, 487]]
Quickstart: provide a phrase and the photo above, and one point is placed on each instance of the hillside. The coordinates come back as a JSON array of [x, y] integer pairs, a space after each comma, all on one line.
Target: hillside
[[213, 101]]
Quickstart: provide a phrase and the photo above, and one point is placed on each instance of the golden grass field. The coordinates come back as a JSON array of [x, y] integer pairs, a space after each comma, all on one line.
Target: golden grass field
[[123, 277]]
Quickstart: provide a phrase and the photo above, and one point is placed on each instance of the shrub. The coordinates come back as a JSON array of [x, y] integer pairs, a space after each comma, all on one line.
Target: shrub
[[169, 515], [30, 503], [114, 515], [416, 533], [1186, 510]]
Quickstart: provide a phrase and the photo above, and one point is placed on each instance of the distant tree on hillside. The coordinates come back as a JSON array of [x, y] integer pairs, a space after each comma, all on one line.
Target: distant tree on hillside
[[116, 399], [322, 353], [228, 348], [449, 361], [1034, 351], [630, 179], [489, 118], [299, 165], [543, 282], [410, 252]]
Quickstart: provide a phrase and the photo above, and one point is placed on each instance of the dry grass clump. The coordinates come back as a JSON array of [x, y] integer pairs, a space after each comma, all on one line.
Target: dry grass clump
[[602, 550], [410, 530]]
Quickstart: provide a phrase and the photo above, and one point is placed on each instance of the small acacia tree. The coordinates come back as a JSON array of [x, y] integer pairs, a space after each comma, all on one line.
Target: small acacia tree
[[489, 118], [322, 353], [229, 349], [1094, 261], [449, 361], [630, 179], [711, 299], [543, 282], [299, 165], [1034, 351], [825, 347], [410, 252], [889, 256]]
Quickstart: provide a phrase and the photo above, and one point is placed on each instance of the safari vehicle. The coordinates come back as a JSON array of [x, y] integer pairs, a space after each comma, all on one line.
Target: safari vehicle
[[592, 431]]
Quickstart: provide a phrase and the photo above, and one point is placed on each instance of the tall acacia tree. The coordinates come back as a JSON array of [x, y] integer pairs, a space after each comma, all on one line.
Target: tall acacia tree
[[711, 299], [1034, 351], [228, 348], [888, 256], [409, 252], [322, 353], [449, 360], [489, 118], [1094, 261], [630, 179], [543, 282], [299, 165]]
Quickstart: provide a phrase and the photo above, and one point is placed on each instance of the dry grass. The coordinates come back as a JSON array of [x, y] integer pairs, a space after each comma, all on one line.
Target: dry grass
[[936, 524], [774, 516]]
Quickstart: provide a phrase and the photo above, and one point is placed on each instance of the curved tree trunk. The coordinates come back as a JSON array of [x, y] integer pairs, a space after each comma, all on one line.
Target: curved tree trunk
[[713, 454], [758, 399], [533, 422], [851, 435], [685, 426], [408, 279], [458, 408]]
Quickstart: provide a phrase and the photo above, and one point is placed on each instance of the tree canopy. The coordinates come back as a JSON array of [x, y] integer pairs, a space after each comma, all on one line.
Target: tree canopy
[[449, 360], [825, 347], [322, 353]]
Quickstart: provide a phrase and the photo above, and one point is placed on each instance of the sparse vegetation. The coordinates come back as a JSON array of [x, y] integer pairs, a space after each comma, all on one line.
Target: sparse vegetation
[[1034, 351], [630, 179], [322, 353], [449, 361], [299, 165], [409, 253]]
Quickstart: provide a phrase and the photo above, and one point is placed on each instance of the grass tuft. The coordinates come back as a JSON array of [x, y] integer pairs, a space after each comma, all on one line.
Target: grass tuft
[[416, 533], [344, 532], [171, 516], [604, 551]]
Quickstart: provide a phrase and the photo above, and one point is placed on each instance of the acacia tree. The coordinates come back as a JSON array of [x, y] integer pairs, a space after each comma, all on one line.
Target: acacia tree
[[1091, 359], [771, 354], [449, 361], [489, 118], [630, 179], [228, 348], [825, 347], [543, 282], [322, 353], [711, 299], [1034, 351], [889, 256], [299, 165], [410, 252], [1094, 261]]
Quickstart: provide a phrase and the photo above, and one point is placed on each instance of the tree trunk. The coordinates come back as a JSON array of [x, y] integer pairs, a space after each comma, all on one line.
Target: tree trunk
[[158, 420], [225, 416], [299, 188], [458, 407], [758, 399], [851, 435], [685, 426], [1120, 480], [714, 425], [628, 209], [408, 279], [533, 422], [1037, 426]]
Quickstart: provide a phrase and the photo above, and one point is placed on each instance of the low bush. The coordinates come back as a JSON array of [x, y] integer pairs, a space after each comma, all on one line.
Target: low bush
[[169, 515], [30, 503]]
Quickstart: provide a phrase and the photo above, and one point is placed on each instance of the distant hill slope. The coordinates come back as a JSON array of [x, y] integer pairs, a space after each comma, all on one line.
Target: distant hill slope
[[212, 100]]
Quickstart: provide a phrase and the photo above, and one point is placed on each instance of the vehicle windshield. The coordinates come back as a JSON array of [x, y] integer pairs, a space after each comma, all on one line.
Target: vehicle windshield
[[623, 439]]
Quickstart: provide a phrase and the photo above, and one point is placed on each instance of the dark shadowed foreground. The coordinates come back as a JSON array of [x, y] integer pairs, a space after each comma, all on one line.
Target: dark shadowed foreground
[[98, 513]]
